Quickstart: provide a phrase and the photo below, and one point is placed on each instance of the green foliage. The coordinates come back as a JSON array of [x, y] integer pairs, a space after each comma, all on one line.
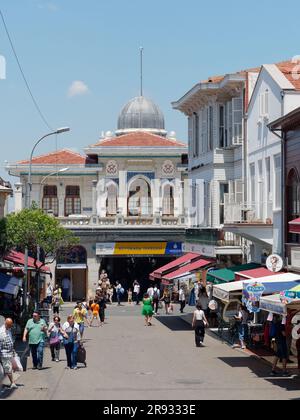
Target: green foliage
[[32, 228], [3, 237]]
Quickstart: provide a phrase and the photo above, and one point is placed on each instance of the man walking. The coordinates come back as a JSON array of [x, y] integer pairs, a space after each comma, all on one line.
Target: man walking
[[7, 351], [156, 297], [182, 299], [36, 328], [136, 291]]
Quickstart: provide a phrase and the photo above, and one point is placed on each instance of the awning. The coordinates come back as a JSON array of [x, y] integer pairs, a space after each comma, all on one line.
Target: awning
[[255, 274], [275, 305], [234, 290], [226, 275], [19, 259], [8, 285], [185, 259], [187, 269], [294, 226]]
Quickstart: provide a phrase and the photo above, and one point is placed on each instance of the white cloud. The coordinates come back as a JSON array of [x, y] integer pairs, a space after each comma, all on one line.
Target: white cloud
[[52, 7], [78, 88]]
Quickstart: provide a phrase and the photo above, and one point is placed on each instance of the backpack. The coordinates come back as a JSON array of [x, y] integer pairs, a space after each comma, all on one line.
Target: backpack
[[155, 295]]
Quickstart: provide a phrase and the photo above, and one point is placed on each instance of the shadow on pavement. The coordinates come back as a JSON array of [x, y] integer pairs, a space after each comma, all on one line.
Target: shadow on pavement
[[291, 383], [174, 323]]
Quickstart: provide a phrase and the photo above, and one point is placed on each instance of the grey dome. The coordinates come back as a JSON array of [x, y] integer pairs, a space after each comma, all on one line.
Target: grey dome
[[141, 114]]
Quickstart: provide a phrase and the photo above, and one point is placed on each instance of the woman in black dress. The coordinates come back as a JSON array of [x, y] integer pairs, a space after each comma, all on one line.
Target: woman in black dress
[[102, 305]]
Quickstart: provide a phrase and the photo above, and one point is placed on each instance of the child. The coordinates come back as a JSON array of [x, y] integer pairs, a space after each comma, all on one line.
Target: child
[[129, 296]]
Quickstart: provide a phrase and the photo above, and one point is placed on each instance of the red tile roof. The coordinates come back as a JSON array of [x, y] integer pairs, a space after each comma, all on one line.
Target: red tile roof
[[60, 157], [139, 139], [291, 71]]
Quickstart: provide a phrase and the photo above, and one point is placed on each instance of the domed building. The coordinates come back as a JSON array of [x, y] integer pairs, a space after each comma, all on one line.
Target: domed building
[[141, 114], [124, 197]]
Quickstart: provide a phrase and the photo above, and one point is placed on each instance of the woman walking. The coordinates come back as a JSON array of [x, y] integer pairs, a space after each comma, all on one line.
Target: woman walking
[[95, 309], [167, 299], [72, 337], [55, 335], [55, 303], [79, 315], [204, 300], [147, 310], [199, 323]]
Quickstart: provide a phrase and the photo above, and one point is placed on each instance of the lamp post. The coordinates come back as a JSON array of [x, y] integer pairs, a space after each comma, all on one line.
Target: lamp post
[[28, 200]]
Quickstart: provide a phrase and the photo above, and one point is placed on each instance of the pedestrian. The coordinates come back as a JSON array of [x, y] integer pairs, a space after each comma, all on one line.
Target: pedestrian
[[72, 338], [95, 309], [102, 307], [203, 300], [182, 298], [110, 293], [36, 329], [147, 310], [166, 298], [49, 293], [55, 336], [66, 283], [199, 323], [150, 291], [119, 289], [129, 293], [281, 348], [156, 297], [7, 351], [56, 303], [242, 319], [136, 291], [79, 315]]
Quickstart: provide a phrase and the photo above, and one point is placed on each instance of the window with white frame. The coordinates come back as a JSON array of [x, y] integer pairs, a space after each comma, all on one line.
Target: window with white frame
[[237, 115], [264, 104], [277, 183], [222, 118], [210, 128], [72, 200], [50, 199], [196, 135], [224, 189], [204, 130], [268, 179]]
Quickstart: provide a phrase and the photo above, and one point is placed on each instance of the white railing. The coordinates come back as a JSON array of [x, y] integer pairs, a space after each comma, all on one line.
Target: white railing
[[249, 213]]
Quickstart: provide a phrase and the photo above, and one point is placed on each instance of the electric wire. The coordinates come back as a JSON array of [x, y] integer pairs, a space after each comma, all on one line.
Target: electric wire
[[23, 74]]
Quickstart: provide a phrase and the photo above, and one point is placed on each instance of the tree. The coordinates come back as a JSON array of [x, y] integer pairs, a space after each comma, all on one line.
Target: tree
[[35, 230]]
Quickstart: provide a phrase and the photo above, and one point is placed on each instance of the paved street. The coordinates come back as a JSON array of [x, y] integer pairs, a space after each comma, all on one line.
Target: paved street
[[127, 360]]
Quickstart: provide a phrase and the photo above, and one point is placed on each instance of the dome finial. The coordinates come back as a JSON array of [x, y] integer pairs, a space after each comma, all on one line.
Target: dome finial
[[141, 54]]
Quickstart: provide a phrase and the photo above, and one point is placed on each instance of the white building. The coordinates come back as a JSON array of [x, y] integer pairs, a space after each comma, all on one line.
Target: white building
[[259, 217], [215, 110], [124, 198], [5, 192]]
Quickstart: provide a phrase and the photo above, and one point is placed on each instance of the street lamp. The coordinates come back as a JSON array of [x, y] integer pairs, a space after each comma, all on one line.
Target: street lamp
[[28, 198], [58, 131]]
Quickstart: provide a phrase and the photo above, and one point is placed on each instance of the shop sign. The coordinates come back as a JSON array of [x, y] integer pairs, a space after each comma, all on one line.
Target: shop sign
[[251, 296], [205, 250], [139, 248], [105, 248]]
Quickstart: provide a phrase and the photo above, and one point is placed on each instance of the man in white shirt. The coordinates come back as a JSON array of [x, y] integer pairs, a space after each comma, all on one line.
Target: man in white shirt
[[182, 299], [66, 283], [136, 291], [150, 291], [7, 351], [156, 297]]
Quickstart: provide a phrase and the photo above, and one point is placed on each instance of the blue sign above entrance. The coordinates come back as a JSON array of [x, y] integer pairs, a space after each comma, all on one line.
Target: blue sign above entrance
[[174, 248]]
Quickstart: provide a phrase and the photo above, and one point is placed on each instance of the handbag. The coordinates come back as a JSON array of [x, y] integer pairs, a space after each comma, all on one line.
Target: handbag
[[54, 340], [16, 364]]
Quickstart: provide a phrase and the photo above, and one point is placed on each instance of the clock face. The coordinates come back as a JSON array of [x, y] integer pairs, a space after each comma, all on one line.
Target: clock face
[[112, 168], [168, 168]]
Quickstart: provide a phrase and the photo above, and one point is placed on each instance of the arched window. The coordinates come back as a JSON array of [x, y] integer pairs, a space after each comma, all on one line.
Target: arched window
[[293, 201], [139, 200], [168, 201], [112, 200], [50, 200], [72, 201]]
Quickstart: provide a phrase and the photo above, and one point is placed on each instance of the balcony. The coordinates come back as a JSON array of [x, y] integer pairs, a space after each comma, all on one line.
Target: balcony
[[253, 222]]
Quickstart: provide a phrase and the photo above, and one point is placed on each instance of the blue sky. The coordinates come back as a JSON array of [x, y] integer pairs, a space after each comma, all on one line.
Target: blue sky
[[97, 42]]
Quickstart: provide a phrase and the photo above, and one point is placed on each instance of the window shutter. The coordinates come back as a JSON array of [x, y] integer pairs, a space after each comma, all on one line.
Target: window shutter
[[237, 115], [239, 191]]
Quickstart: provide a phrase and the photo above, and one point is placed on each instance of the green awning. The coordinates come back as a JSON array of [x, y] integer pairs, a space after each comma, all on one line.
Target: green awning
[[226, 275]]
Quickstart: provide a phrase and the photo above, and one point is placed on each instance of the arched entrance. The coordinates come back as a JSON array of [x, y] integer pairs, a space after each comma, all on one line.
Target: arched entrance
[[139, 198], [72, 264]]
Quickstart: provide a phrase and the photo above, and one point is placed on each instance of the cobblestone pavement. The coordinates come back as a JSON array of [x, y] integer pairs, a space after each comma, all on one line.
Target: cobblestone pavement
[[129, 361]]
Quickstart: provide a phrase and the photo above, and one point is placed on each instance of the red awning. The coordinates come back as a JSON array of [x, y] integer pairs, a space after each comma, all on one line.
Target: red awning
[[19, 259], [294, 226], [255, 274], [185, 259], [187, 269]]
